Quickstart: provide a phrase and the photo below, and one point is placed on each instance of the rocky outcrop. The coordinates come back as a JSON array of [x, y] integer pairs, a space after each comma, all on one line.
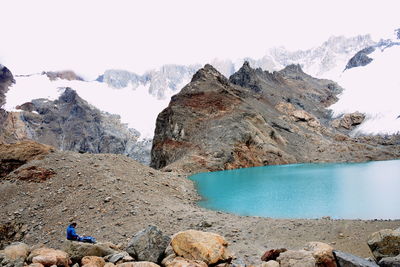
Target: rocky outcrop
[[70, 123], [361, 58], [384, 243], [349, 121], [12, 156], [68, 75], [255, 118], [6, 80]]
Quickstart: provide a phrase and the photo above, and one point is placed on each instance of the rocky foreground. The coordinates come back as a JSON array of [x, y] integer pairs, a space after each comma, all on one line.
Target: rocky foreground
[[192, 248], [112, 197]]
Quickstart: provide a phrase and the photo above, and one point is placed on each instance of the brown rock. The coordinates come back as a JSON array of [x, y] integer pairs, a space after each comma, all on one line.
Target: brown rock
[[138, 264], [322, 253], [272, 254], [296, 258], [36, 265], [93, 261], [49, 256], [68, 75], [17, 251], [270, 263], [33, 174], [384, 243], [109, 264], [13, 156], [349, 121], [181, 262], [202, 246], [78, 250], [47, 260], [167, 260]]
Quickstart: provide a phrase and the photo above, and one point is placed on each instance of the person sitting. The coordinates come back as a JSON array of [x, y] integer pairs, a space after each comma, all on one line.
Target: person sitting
[[72, 235]]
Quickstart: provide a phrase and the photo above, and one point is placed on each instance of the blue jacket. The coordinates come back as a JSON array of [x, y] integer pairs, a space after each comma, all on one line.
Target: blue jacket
[[71, 234]]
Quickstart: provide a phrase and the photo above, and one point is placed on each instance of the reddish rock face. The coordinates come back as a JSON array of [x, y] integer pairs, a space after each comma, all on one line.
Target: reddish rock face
[[272, 254], [256, 118], [12, 156]]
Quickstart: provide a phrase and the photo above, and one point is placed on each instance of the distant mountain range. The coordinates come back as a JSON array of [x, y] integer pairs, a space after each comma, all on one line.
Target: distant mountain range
[[360, 65]]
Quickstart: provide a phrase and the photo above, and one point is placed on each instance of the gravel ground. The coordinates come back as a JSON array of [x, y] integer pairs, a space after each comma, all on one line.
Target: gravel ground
[[111, 197]]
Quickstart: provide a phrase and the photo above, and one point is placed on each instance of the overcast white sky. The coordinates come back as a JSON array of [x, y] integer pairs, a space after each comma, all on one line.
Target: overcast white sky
[[90, 36]]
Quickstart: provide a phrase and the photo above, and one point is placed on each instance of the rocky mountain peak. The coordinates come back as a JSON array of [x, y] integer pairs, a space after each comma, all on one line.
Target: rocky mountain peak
[[293, 68], [6, 79], [209, 72], [69, 95], [68, 75]]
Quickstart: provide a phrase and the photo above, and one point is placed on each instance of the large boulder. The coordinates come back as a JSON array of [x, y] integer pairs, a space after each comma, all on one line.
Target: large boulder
[[384, 243], [148, 245], [296, 258], [93, 261], [348, 260], [78, 250], [17, 251], [202, 246], [390, 262], [322, 253], [49, 257], [181, 262]]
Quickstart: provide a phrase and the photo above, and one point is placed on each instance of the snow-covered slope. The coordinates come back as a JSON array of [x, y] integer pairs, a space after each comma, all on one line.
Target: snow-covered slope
[[138, 99], [161, 83], [325, 61], [373, 88]]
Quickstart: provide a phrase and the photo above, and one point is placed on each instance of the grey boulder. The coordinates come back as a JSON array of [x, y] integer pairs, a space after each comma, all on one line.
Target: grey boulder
[[148, 245], [348, 260]]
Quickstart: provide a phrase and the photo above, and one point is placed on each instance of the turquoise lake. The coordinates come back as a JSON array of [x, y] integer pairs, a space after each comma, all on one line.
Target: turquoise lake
[[368, 190]]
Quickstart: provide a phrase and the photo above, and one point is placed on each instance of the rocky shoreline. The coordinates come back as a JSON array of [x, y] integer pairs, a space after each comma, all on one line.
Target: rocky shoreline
[[192, 248]]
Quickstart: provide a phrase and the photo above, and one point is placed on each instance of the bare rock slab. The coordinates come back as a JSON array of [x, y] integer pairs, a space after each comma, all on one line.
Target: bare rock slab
[[348, 260]]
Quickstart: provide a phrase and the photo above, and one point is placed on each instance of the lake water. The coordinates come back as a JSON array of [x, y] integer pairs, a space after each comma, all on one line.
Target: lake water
[[368, 190]]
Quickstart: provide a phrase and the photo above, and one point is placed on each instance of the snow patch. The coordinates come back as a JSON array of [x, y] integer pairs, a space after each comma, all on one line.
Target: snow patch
[[374, 90]]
